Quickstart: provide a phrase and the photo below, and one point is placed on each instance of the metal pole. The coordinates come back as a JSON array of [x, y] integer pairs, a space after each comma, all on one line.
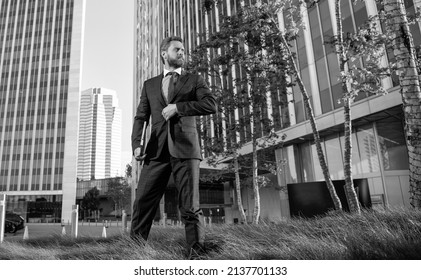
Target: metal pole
[[2, 215], [124, 220], [75, 214]]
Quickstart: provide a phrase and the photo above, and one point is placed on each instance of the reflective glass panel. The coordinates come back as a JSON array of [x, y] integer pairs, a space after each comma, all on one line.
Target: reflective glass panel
[[334, 158], [368, 151], [392, 144]]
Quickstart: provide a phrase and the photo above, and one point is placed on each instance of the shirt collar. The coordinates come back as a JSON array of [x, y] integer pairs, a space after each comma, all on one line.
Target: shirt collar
[[178, 71]]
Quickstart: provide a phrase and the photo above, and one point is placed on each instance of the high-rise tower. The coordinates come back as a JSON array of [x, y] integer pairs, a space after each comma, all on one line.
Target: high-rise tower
[[99, 154], [40, 64]]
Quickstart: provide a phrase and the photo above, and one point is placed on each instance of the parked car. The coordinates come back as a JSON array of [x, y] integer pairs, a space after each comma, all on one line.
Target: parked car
[[10, 226], [16, 219]]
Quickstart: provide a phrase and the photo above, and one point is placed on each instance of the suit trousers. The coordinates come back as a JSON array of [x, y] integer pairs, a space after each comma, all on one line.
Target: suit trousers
[[153, 181]]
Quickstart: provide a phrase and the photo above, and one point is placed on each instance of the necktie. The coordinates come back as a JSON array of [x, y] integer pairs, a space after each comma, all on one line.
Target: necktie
[[171, 84]]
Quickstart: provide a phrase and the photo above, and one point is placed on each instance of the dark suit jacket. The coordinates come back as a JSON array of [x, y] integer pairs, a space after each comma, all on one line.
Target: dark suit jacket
[[192, 97]]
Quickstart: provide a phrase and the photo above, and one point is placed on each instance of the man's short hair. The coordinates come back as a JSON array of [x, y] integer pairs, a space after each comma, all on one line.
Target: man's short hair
[[165, 44]]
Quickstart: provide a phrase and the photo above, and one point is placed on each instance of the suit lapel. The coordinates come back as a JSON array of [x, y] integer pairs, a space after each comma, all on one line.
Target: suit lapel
[[157, 87], [180, 83]]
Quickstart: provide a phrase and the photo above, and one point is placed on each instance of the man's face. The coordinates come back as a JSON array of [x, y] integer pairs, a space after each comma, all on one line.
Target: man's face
[[175, 54]]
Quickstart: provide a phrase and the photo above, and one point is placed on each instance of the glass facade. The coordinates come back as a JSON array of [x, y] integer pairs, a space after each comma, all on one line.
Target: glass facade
[[379, 153], [37, 208], [35, 65]]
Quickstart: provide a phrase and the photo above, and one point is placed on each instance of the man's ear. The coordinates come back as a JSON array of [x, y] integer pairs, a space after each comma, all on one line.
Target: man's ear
[[164, 55]]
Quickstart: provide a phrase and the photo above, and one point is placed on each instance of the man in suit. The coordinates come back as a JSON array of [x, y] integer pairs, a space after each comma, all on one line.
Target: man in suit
[[173, 99]]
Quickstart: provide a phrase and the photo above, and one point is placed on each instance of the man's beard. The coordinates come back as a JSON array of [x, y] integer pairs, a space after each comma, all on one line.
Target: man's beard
[[175, 62]]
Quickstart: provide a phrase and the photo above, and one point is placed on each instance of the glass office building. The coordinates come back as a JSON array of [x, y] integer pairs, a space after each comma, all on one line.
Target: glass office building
[[379, 148], [40, 66]]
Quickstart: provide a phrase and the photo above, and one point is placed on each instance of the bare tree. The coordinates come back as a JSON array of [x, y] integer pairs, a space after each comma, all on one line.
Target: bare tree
[[348, 97]]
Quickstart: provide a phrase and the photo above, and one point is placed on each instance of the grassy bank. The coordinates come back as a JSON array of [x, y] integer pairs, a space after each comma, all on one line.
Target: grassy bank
[[393, 234]]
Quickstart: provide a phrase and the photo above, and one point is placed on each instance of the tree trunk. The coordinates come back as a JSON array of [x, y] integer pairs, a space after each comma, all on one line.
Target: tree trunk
[[336, 201], [238, 190], [255, 135], [256, 210], [404, 51], [351, 195]]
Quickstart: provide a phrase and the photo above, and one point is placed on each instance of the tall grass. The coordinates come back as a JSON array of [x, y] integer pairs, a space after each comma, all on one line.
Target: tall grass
[[392, 234]]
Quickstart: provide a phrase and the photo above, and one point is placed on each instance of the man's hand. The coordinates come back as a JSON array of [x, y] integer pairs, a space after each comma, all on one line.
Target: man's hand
[[137, 154], [169, 111]]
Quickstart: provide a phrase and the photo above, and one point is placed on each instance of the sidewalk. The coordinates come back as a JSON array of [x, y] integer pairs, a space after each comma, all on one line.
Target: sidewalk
[[36, 230]]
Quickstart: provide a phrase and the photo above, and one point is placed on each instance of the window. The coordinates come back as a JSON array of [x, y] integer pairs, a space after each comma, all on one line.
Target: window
[[318, 172], [334, 158], [392, 144], [368, 152], [287, 166], [307, 163]]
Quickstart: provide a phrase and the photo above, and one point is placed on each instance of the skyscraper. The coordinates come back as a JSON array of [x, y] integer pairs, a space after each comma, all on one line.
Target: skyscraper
[[379, 148], [40, 64], [99, 154]]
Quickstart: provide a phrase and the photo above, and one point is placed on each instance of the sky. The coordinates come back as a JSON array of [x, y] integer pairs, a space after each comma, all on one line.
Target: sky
[[108, 57]]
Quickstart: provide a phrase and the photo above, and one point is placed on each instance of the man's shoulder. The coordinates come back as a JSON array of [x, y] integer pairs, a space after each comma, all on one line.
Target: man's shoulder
[[154, 79]]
